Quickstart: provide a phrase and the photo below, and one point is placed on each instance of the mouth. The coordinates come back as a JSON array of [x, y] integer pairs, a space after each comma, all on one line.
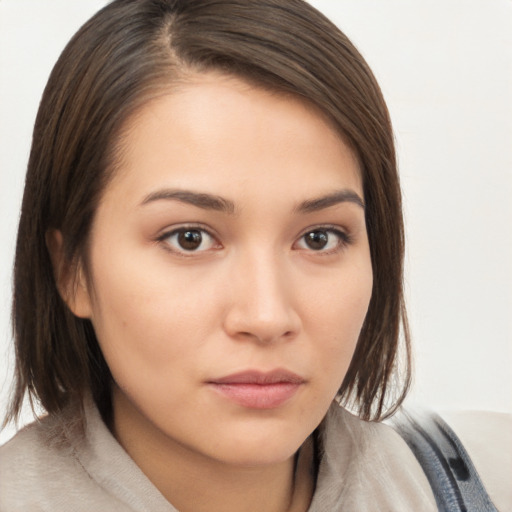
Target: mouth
[[254, 389]]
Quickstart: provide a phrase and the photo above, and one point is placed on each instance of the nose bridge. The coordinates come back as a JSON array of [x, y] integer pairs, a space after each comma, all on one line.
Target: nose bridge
[[261, 305]]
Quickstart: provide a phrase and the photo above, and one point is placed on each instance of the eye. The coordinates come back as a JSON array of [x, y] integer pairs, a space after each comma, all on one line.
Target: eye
[[326, 240], [187, 240]]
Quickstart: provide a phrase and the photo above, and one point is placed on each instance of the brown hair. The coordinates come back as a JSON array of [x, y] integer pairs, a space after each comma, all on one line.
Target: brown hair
[[130, 51]]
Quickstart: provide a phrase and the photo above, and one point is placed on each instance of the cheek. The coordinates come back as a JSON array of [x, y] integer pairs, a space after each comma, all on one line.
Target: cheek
[[336, 314], [141, 320], [339, 303]]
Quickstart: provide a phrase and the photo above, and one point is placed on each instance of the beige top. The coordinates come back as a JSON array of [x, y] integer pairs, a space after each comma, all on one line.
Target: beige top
[[366, 467]]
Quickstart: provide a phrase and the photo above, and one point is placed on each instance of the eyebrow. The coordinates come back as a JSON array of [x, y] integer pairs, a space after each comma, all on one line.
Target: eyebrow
[[332, 199], [220, 204], [201, 200]]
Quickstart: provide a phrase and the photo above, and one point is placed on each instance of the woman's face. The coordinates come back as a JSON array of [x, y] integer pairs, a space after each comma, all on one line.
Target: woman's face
[[229, 271]]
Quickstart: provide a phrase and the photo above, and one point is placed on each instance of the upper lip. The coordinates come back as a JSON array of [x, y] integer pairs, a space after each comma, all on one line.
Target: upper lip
[[260, 377]]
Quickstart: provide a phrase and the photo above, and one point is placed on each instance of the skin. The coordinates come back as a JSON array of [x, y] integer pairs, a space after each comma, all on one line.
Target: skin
[[253, 295]]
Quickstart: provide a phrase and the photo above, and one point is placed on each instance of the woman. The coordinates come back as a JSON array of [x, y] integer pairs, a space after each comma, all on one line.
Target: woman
[[209, 261]]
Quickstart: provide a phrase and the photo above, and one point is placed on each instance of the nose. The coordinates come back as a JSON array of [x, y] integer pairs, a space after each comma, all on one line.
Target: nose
[[261, 306]]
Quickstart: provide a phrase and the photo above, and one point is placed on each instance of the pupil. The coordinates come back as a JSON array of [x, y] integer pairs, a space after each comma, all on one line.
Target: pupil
[[190, 240], [316, 240]]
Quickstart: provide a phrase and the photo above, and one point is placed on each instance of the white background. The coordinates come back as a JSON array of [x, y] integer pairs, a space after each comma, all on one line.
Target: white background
[[445, 67]]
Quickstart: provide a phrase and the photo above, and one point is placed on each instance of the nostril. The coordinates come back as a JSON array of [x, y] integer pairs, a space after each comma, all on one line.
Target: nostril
[[264, 336]]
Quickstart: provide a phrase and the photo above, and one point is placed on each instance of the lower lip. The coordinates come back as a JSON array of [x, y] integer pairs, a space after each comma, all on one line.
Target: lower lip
[[258, 396]]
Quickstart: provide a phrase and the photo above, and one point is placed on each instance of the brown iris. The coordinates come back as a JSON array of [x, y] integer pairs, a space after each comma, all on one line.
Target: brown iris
[[316, 240], [190, 239]]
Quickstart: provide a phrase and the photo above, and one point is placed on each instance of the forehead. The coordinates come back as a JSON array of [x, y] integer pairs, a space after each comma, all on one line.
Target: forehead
[[221, 133]]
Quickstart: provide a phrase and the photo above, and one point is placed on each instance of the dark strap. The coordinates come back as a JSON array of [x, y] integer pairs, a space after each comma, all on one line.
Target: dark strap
[[450, 472]]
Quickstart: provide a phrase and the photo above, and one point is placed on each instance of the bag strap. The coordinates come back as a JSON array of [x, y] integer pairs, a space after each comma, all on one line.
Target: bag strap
[[448, 467]]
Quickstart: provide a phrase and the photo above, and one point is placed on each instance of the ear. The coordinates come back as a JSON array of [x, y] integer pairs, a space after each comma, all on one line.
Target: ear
[[69, 277]]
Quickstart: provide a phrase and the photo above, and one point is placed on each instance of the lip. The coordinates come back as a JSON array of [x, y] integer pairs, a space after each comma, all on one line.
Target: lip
[[255, 389]]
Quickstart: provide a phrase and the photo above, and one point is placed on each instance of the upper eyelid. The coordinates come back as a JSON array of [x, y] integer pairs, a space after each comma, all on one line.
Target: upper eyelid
[[170, 230], [212, 232], [326, 227]]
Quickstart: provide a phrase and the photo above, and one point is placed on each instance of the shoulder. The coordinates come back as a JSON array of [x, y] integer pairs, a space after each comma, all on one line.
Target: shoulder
[[27, 464], [487, 437], [368, 463], [366, 435], [29, 450], [39, 470]]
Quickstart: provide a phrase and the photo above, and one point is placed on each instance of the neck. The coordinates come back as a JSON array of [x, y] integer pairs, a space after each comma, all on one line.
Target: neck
[[193, 482]]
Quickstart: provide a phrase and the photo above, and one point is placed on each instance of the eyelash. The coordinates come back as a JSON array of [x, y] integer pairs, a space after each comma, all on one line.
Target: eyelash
[[344, 239]]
